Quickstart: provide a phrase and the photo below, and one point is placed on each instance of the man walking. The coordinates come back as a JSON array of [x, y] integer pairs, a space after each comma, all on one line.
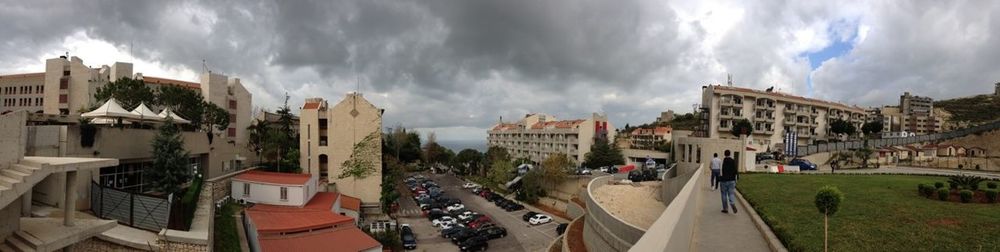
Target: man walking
[[716, 170], [727, 179]]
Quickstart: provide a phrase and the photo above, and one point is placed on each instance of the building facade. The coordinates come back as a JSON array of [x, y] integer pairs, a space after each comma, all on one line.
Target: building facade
[[647, 139], [274, 188], [327, 139], [772, 114], [665, 116], [537, 136], [22, 92], [914, 114]]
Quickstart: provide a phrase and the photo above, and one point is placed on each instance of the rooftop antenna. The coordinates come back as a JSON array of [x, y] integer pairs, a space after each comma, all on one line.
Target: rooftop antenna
[[729, 79], [130, 47], [204, 66]]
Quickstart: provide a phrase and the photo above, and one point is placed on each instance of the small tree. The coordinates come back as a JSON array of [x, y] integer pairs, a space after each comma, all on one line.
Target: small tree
[[493, 154], [742, 127], [828, 200], [873, 127], [603, 154], [170, 161], [186, 102], [500, 172], [215, 118], [842, 127], [468, 160], [554, 170]]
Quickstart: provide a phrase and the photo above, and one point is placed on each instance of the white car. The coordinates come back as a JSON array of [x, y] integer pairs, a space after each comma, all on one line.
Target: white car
[[454, 207], [444, 220], [466, 215], [469, 185], [540, 219], [446, 226]]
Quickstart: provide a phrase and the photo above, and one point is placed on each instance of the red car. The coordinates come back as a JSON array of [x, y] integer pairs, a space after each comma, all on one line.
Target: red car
[[480, 221], [485, 193]]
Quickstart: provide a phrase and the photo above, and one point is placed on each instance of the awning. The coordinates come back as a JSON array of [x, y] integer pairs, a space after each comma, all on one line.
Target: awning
[[110, 109], [144, 113], [173, 116]]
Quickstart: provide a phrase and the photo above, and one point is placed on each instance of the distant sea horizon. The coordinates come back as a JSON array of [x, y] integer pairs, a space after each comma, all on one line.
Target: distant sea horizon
[[459, 145]]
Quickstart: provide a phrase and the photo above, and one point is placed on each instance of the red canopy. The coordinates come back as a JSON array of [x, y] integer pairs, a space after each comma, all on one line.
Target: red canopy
[[626, 169]]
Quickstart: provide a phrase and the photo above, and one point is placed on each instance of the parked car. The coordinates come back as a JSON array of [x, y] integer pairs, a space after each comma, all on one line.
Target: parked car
[[409, 240], [583, 171], [447, 233], [561, 229], [478, 223], [449, 225], [455, 207], [764, 156], [527, 216], [469, 185], [642, 175], [803, 164], [476, 190], [477, 243], [539, 219], [461, 236], [466, 215], [434, 214], [443, 220], [493, 232], [513, 207]]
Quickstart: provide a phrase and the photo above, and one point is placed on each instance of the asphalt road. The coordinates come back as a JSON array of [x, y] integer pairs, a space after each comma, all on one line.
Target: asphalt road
[[520, 235]]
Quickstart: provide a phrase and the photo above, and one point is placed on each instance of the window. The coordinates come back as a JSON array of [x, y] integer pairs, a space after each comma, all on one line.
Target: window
[[232, 132], [63, 84], [284, 193], [232, 104], [63, 98], [246, 189]]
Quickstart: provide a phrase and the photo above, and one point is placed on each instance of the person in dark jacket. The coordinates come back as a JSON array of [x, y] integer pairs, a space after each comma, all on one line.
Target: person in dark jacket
[[727, 182]]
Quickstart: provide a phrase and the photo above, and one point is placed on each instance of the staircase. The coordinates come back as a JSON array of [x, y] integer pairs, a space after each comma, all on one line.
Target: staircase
[[15, 181], [18, 179], [20, 242]]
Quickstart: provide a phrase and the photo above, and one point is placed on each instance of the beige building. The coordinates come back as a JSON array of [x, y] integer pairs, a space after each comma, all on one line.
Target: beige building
[[772, 114], [327, 136], [537, 136], [915, 114], [648, 139], [21, 92]]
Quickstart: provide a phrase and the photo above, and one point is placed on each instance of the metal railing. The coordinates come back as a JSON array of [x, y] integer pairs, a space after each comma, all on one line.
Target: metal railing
[[804, 150]]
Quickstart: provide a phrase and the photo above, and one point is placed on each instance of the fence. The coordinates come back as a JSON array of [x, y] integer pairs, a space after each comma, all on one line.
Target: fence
[[137, 210], [876, 143]]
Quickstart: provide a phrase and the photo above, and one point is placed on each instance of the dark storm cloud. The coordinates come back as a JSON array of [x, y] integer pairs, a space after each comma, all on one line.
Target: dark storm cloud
[[450, 63]]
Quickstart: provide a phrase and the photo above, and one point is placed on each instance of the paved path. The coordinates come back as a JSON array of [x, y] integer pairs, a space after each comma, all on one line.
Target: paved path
[[717, 231]]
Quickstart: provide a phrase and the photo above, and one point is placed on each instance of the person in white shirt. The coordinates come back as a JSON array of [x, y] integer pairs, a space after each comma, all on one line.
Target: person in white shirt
[[716, 171]]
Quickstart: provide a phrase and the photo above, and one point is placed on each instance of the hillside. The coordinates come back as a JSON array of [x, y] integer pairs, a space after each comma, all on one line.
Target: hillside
[[987, 140], [974, 109]]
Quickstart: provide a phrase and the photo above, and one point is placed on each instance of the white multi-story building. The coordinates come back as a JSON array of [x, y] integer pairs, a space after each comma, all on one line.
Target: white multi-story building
[[537, 136], [772, 114]]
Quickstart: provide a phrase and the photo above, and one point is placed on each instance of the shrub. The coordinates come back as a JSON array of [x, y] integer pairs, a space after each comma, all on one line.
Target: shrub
[[921, 188], [966, 196], [991, 195], [952, 185], [938, 184], [943, 194], [991, 185], [966, 182], [928, 191]]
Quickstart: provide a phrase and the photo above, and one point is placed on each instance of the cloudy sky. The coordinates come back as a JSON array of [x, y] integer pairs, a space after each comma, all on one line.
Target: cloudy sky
[[455, 66]]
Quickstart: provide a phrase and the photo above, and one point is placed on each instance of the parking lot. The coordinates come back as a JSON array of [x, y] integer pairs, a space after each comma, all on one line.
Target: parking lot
[[521, 236]]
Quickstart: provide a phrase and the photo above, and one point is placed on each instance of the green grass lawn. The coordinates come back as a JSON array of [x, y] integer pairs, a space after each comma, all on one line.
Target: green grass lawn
[[879, 213], [226, 236]]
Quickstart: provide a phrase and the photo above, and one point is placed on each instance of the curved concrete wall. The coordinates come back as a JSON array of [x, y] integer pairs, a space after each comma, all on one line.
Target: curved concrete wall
[[574, 209], [565, 242], [603, 231], [675, 227]]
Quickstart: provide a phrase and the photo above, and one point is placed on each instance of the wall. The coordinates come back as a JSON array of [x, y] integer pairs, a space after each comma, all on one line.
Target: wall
[[10, 219], [347, 130], [603, 231], [675, 180], [269, 194], [686, 150], [12, 139], [675, 227]]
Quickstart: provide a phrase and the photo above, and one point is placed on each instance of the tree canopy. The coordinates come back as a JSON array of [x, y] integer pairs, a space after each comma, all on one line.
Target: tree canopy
[[603, 154], [554, 169], [468, 160], [186, 102], [841, 126], [873, 127], [742, 127], [127, 91]]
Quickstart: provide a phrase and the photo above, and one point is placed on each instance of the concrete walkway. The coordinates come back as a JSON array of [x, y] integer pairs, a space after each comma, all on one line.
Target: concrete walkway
[[716, 231], [198, 234]]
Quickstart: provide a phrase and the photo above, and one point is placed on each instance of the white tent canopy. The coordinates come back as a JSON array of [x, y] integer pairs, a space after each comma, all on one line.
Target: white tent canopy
[[144, 113], [107, 121], [110, 109], [167, 113]]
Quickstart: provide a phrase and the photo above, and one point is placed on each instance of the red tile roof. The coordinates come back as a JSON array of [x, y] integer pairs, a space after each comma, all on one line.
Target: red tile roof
[[165, 81], [275, 177], [505, 126], [347, 239], [654, 131], [740, 89], [311, 105], [565, 124], [351, 203], [269, 219]]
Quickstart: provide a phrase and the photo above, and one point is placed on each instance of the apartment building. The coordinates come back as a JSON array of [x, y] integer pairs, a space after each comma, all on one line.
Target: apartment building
[[665, 116], [914, 114], [772, 114], [537, 136], [648, 139], [327, 136]]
